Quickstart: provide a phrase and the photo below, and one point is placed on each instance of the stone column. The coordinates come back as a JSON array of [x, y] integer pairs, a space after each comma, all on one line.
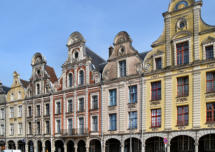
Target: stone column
[[122, 147], [44, 147], [65, 147], [168, 147], [143, 147], [26, 147], [196, 146], [35, 147], [87, 149], [76, 147]]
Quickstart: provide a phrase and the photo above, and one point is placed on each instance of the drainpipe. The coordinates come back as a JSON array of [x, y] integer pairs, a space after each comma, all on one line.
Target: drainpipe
[[102, 114]]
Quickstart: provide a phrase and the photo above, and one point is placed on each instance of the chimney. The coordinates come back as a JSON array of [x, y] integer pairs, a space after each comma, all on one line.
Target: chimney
[[110, 50]]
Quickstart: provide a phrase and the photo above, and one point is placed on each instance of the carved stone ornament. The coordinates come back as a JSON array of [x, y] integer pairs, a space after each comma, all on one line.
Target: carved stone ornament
[[181, 99], [210, 95], [147, 67]]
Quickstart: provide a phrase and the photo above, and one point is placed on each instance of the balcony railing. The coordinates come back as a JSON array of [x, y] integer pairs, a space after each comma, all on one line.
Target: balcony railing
[[76, 132]]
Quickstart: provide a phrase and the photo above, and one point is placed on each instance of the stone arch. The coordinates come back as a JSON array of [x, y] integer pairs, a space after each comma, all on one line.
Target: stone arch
[[203, 133], [95, 145], [113, 145], [147, 136], [182, 133], [47, 144], [11, 144], [183, 34], [112, 137], [136, 144], [182, 143]]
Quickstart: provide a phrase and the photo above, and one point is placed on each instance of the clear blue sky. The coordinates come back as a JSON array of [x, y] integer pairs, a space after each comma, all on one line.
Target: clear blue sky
[[29, 26]]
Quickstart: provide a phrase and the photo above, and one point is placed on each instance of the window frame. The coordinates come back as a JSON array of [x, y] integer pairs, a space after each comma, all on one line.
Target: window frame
[[183, 114], [122, 68], [81, 77], [212, 81], [204, 49], [212, 111], [111, 120], [155, 118], [112, 98], [157, 88], [133, 119], [183, 86], [133, 94]]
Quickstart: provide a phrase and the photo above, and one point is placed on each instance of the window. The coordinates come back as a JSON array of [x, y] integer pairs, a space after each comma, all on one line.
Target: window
[[183, 86], [210, 82], [29, 111], [95, 123], [122, 68], [19, 111], [12, 97], [211, 112], [133, 94], [2, 114], [38, 89], [209, 52], [69, 106], [158, 63], [70, 80], [20, 128], [156, 118], [95, 102], [156, 90], [70, 126], [112, 122], [29, 128], [38, 110], [58, 108], [112, 97], [47, 110], [81, 105], [81, 77], [81, 125], [133, 120], [11, 112], [19, 95], [2, 129], [58, 128], [11, 129], [182, 53], [182, 116], [47, 127], [38, 127]]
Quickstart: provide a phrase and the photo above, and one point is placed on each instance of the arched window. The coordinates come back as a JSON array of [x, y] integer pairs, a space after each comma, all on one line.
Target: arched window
[[70, 80], [81, 77], [38, 88]]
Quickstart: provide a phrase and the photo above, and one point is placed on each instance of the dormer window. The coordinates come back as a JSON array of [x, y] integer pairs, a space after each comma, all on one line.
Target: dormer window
[[70, 79], [209, 50], [76, 55], [81, 77], [38, 88], [158, 63], [122, 68]]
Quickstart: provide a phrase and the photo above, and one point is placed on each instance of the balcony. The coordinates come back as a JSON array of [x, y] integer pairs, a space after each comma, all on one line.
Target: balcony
[[76, 132]]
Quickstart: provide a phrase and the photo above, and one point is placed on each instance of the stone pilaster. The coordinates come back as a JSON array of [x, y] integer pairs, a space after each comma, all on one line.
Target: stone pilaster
[[168, 102], [168, 44]]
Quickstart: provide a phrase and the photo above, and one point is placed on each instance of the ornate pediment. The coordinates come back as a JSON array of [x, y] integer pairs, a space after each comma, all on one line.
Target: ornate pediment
[[209, 39]]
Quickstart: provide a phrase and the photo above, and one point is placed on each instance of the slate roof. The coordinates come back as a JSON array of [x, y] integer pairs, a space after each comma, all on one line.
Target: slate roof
[[24, 83], [6, 89], [97, 61], [52, 74], [143, 55]]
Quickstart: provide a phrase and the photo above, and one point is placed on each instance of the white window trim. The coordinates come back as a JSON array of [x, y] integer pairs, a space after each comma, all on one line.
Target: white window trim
[[20, 131], [58, 101], [92, 123], [118, 67], [36, 110], [68, 123], [56, 125], [91, 97], [81, 69], [79, 101], [79, 122], [20, 114], [10, 112], [36, 88], [67, 104], [68, 80], [175, 42], [204, 50], [154, 63]]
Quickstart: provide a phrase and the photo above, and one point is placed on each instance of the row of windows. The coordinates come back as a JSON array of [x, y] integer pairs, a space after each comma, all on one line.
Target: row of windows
[[132, 95], [38, 110], [12, 111], [182, 54], [182, 115], [38, 127], [20, 129], [80, 79], [132, 124], [183, 86]]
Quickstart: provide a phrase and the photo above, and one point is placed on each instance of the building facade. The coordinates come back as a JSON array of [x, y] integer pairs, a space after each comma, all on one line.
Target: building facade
[[131, 102], [3, 94], [15, 114], [178, 83]]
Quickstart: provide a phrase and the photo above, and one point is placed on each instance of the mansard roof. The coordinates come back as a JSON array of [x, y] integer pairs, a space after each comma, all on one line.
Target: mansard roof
[[143, 55], [51, 73], [97, 61]]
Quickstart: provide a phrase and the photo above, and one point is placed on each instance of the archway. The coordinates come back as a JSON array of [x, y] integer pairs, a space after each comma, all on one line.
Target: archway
[[70, 146], [155, 144], [81, 146], [2, 145], [47, 146], [11, 145], [21, 145], [39, 146], [182, 144], [30, 146], [113, 145], [136, 145], [95, 145], [207, 143], [59, 146]]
